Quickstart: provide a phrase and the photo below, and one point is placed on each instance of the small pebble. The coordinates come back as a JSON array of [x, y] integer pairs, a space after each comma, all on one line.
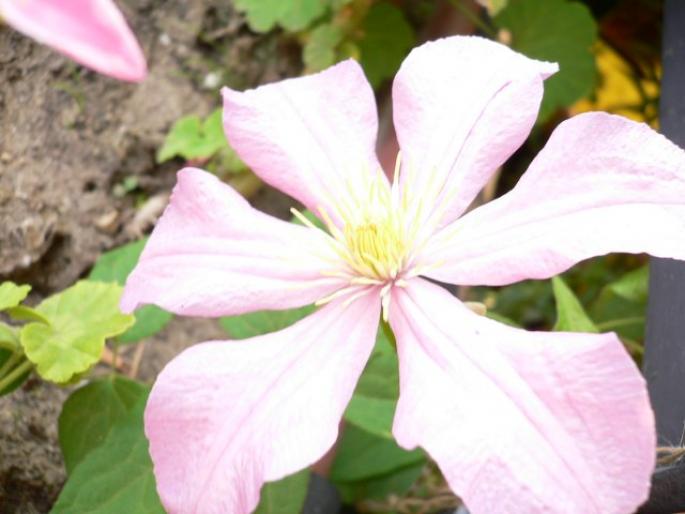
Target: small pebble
[[108, 222], [212, 80]]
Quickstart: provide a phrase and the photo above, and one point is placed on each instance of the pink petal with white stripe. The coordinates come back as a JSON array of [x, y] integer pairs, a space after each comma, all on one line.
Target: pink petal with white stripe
[[462, 106], [92, 32], [602, 184], [521, 421], [212, 254], [312, 137], [226, 416]]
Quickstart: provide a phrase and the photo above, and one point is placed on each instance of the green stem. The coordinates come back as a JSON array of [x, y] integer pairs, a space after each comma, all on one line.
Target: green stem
[[9, 363], [8, 345], [17, 372], [474, 18]]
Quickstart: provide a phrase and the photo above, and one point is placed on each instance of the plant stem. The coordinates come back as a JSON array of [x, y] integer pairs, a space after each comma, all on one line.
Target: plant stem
[[11, 361], [8, 345], [15, 374]]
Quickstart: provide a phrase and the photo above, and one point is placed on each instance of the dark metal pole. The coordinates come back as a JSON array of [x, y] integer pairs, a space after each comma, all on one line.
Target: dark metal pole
[[664, 361]]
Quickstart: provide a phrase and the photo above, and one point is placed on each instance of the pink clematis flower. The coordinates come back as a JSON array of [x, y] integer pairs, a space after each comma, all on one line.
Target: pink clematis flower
[[92, 32], [517, 421]]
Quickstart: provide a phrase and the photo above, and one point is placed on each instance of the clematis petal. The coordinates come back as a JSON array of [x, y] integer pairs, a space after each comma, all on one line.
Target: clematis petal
[[211, 254], [521, 421], [226, 416], [311, 137], [462, 106], [92, 32], [602, 184]]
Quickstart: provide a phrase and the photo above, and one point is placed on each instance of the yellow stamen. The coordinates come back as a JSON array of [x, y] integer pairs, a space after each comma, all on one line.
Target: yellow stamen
[[378, 230]]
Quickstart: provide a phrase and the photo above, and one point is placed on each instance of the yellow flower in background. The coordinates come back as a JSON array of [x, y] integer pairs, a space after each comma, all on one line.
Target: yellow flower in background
[[620, 90]]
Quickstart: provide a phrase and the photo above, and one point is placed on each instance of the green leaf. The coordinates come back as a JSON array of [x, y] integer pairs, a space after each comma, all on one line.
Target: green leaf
[[116, 477], [26, 313], [361, 455], [571, 317], [621, 305], [191, 138], [91, 412], [372, 414], [262, 322], [372, 407], [286, 496], [320, 50], [558, 31], [388, 37], [293, 15], [81, 318], [12, 295], [395, 483], [149, 320], [115, 266], [299, 14], [633, 286]]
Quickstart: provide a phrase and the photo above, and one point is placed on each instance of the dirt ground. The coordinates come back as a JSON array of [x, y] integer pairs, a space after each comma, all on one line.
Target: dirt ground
[[68, 139]]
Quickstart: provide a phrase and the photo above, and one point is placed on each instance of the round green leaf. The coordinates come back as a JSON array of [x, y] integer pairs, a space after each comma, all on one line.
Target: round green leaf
[[12, 295], [320, 50], [81, 318], [293, 15]]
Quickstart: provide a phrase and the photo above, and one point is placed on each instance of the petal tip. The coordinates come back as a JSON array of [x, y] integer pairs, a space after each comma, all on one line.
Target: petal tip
[[547, 68]]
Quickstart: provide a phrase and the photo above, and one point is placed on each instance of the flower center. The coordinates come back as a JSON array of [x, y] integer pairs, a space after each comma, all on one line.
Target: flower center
[[377, 233], [376, 245]]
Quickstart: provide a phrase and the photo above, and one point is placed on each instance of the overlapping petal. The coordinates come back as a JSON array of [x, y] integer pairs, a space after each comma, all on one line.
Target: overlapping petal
[[224, 417], [212, 254], [462, 106], [521, 421], [602, 184], [92, 32], [312, 137]]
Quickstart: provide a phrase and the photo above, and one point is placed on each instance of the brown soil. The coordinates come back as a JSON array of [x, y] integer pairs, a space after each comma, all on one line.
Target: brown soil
[[68, 138]]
